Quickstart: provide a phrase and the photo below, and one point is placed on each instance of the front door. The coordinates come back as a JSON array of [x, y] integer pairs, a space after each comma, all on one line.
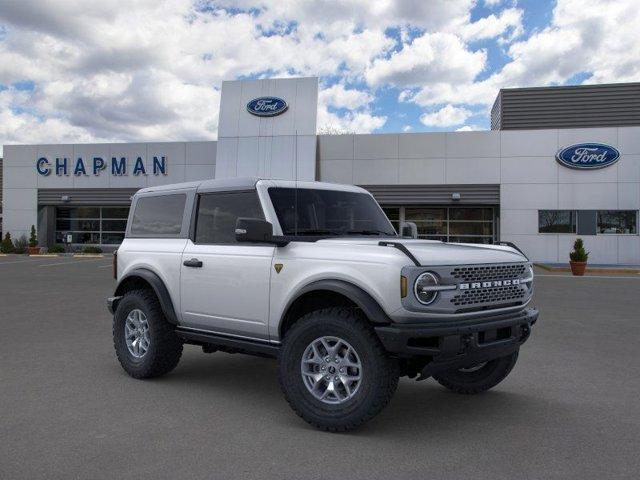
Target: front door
[[225, 284]]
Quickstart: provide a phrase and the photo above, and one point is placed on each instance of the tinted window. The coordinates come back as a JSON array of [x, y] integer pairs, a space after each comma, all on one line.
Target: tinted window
[[160, 215], [617, 221], [556, 221], [218, 212], [305, 211]]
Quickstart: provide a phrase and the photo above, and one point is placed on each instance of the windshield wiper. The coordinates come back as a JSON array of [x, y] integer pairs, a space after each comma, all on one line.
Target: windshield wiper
[[369, 232], [314, 231]]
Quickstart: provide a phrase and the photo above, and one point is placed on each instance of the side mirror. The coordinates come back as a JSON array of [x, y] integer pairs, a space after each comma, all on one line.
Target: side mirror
[[256, 230], [409, 230]]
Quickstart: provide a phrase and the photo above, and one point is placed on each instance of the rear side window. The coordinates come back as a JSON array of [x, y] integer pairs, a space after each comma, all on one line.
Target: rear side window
[[218, 212], [159, 216]]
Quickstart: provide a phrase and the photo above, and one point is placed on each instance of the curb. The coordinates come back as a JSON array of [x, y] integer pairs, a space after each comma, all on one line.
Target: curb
[[45, 255], [589, 269], [88, 255]]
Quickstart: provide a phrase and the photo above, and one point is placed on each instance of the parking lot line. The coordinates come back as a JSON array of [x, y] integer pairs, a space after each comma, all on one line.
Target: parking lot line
[[72, 262]]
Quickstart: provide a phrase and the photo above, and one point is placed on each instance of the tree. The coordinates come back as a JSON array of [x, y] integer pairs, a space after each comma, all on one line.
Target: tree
[[7, 244], [33, 238], [579, 254]]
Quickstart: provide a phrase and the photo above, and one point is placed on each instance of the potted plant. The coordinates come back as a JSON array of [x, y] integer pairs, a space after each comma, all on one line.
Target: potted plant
[[33, 249], [578, 258], [7, 244]]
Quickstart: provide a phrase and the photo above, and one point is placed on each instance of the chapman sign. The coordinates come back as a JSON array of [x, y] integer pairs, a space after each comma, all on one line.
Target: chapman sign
[[588, 156], [267, 106], [118, 166]]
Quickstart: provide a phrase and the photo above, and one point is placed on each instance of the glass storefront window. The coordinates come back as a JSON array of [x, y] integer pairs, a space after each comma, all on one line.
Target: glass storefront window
[[556, 221], [78, 212], [91, 225], [451, 224], [618, 221]]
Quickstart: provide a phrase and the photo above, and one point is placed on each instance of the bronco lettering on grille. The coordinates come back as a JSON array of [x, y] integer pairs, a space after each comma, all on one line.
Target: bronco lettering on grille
[[494, 283]]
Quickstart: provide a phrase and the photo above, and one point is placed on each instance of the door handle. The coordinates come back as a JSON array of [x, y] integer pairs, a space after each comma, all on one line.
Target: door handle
[[194, 262]]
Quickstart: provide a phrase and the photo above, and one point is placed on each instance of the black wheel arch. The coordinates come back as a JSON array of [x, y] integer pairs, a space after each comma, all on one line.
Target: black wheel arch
[[336, 289], [145, 278]]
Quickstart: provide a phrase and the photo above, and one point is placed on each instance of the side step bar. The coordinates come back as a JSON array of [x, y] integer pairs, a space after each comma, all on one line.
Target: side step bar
[[241, 345]]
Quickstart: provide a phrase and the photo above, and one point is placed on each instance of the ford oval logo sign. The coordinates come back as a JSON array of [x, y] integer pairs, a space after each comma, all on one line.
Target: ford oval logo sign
[[267, 106], [588, 156]]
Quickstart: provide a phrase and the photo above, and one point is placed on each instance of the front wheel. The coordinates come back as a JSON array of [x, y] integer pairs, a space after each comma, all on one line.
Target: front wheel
[[333, 370], [478, 378]]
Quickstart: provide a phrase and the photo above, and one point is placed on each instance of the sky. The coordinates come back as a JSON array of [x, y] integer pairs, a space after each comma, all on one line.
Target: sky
[[77, 71]]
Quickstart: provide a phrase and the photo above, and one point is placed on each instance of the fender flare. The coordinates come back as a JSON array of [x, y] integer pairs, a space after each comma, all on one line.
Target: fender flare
[[360, 297], [158, 287]]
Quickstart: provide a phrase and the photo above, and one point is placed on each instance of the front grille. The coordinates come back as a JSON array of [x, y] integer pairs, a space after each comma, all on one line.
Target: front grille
[[481, 273], [494, 295]]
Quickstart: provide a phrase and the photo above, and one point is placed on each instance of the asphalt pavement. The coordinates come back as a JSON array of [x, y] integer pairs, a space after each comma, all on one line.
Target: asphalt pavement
[[570, 408]]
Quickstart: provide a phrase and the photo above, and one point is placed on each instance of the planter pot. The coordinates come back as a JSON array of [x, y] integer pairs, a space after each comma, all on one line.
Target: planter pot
[[578, 268], [33, 250]]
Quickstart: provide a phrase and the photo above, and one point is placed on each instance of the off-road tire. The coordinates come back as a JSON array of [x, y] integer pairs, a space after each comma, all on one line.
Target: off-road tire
[[380, 373], [481, 380], [165, 347]]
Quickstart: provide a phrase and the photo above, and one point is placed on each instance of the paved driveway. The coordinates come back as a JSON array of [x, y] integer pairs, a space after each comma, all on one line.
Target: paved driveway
[[570, 409]]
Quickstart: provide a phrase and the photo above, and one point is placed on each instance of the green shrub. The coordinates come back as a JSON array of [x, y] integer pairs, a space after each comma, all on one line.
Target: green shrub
[[7, 244], [91, 250], [579, 254], [57, 248], [20, 245], [33, 238]]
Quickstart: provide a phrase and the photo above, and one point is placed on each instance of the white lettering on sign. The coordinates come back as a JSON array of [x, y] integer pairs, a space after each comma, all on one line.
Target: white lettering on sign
[[588, 155]]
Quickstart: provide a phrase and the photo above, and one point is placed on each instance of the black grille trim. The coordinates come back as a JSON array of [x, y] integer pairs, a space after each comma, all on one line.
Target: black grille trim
[[480, 273]]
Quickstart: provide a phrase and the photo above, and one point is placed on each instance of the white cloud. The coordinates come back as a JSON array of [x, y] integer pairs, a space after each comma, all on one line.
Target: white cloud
[[469, 128], [358, 122], [509, 22], [340, 97], [433, 57], [407, 128], [447, 116]]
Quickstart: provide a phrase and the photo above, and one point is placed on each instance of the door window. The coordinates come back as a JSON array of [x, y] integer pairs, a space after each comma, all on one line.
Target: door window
[[218, 213]]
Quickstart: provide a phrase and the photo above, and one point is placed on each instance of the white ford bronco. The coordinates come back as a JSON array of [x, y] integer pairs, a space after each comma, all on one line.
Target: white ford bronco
[[315, 275]]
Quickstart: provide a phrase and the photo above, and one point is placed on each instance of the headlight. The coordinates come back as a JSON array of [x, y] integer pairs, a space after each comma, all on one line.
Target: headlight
[[424, 288]]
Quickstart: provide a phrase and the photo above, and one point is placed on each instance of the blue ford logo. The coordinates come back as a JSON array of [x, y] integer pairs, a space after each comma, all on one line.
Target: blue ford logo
[[588, 156], [266, 106]]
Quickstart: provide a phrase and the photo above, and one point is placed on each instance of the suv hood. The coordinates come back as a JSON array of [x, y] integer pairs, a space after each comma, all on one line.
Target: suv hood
[[430, 252]]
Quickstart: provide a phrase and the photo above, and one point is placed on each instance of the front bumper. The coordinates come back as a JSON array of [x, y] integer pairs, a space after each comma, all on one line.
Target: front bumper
[[451, 345]]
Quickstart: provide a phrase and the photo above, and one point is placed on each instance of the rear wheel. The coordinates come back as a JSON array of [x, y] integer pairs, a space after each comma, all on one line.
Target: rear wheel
[[333, 370], [145, 343], [478, 378]]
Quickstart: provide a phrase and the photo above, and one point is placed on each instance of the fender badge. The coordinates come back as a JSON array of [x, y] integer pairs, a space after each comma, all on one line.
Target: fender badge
[[278, 267]]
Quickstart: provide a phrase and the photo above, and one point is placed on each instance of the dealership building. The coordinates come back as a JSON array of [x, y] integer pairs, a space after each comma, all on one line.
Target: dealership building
[[558, 163]]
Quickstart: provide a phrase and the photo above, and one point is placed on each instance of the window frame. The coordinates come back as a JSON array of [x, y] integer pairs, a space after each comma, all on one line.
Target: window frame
[[573, 211], [184, 228], [196, 208]]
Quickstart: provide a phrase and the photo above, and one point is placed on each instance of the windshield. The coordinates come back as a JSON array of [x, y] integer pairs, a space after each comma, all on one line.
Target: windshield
[[328, 213]]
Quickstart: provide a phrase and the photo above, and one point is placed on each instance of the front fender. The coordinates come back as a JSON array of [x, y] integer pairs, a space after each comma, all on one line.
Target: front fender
[[361, 298], [156, 284]]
